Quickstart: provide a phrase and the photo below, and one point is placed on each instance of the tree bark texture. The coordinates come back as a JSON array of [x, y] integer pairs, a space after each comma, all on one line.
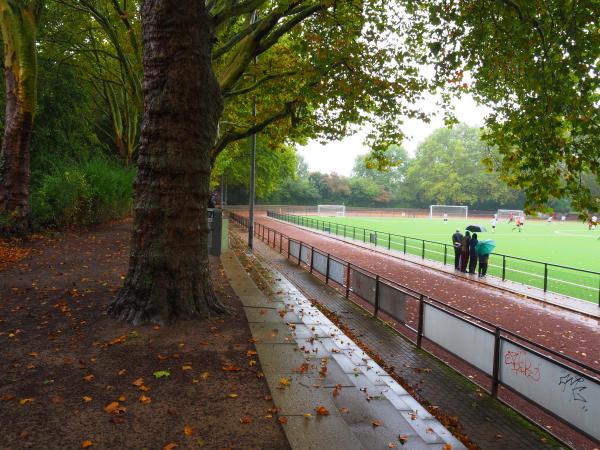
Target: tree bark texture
[[18, 25], [168, 274]]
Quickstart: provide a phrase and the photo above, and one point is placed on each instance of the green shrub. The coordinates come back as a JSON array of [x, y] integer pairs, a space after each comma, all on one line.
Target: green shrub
[[94, 191]]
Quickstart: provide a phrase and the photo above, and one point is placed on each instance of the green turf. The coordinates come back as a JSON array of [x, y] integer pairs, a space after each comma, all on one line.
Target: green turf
[[568, 244]]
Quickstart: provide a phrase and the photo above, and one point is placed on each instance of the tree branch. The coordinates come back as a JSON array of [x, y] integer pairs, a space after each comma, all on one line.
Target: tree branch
[[228, 138]]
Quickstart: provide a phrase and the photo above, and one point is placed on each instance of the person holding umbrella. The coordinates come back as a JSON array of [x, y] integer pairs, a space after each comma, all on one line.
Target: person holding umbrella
[[473, 254], [464, 251], [484, 248]]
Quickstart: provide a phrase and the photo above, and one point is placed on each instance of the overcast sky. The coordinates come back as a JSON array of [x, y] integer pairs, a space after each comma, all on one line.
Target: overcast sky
[[339, 156]]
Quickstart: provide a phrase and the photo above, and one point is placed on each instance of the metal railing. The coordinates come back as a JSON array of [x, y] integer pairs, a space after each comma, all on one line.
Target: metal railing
[[564, 280], [554, 382]]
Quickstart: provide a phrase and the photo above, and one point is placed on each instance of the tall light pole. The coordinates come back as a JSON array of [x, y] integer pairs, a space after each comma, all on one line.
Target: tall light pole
[[252, 163]]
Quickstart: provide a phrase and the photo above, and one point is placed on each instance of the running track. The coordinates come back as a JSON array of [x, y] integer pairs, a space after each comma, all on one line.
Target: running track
[[567, 332]]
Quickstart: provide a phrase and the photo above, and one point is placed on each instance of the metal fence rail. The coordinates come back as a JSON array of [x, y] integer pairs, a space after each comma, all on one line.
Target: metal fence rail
[[560, 385], [569, 281]]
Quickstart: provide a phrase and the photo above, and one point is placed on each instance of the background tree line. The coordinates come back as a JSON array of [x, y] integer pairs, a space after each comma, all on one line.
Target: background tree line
[[447, 168]]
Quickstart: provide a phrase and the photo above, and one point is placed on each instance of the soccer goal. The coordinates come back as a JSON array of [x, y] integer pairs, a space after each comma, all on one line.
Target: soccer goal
[[506, 213], [452, 211], [331, 210]]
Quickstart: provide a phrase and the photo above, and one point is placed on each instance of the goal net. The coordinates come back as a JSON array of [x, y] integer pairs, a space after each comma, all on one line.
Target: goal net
[[506, 213], [331, 210], [451, 211]]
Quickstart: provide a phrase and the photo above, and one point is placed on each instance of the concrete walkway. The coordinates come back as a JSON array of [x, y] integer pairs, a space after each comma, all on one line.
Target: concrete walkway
[[562, 301], [311, 366]]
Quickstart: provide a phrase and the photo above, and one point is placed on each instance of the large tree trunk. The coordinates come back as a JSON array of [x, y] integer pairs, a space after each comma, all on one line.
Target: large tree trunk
[[19, 26], [168, 274]]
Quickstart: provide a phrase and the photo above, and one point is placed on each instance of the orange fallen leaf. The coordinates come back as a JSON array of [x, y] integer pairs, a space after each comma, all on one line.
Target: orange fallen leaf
[[186, 367], [344, 410], [138, 382], [7, 397], [122, 398], [34, 354], [282, 420], [25, 401], [144, 388], [285, 381], [252, 363], [86, 444], [322, 411], [392, 445], [231, 368], [144, 400], [447, 447], [122, 372], [87, 398], [170, 446], [89, 377], [376, 423], [118, 340], [246, 420], [232, 395], [188, 430], [114, 408], [204, 375], [251, 353], [403, 438]]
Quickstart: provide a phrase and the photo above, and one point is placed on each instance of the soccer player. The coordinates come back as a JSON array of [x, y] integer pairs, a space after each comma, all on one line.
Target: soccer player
[[445, 217], [549, 219], [563, 218], [518, 224], [494, 223], [511, 218]]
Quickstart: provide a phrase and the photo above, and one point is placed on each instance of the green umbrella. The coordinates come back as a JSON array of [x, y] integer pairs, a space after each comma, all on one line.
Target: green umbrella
[[485, 247]]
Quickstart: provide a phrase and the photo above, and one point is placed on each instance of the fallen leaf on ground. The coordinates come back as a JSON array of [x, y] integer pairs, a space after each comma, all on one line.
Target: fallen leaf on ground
[[447, 447], [376, 423], [322, 411], [392, 445], [89, 377], [232, 395], [344, 410], [246, 420], [87, 398], [122, 398], [144, 400], [138, 382], [307, 415], [25, 401], [282, 420], [231, 368], [251, 353], [285, 381], [403, 438], [161, 374], [204, 375], [122, 372], [143, 388], [7, 397], [114, 408], [118, 340], [170, 446], [86, 444], [188, 430], [186, 367]]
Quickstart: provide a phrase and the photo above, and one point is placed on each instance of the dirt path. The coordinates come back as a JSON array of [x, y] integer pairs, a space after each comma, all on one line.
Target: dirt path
[[64, 363], [563, 331]]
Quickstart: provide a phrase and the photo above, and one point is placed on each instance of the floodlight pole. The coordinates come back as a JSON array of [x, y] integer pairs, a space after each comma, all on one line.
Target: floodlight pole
[[252, 164]]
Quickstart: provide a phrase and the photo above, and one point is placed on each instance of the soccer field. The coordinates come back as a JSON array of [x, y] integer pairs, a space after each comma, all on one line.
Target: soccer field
[[568, 244]]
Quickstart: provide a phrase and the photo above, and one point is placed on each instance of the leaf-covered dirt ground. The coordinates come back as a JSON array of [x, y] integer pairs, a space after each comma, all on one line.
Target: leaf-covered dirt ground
[[72, 377]]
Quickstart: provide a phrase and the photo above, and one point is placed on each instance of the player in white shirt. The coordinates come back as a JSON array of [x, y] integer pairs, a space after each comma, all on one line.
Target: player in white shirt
[[445, 218], [494, 223]]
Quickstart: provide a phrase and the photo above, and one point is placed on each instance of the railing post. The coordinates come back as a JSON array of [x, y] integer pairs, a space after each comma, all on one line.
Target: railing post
[[364, 235], [423, 250], [376, 296], [344, 231], [312, 252], [404, 244], [288, 248], [503, 267], [327, 270], [389, 241], [445, 254], [353, 233], [496, 367], [348, 280], [300, 254], [545, 277], [280, 242], [336, 228], [420, 323]]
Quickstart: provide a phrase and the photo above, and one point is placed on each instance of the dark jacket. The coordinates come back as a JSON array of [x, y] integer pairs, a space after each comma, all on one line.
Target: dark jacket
[[472, 246], [457, 239]]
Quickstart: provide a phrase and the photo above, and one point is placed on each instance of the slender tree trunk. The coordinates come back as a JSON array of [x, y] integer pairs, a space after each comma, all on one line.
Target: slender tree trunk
[[18, 25], [168, 274]]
